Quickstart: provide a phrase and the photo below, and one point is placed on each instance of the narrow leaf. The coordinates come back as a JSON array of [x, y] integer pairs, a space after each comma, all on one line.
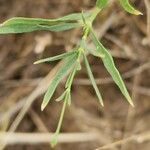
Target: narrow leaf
[[61, 97], [110, 66], [71, 76], [90, 74], [129, 8], [68, 63], [18, 28], [23, 28], [23, 20], [29, 21], [60, 27], [54, 58], [22, 25]]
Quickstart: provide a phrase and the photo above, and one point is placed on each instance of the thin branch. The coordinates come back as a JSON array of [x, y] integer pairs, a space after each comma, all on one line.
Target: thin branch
[[39, 138], [147, 5], [42, 86], [136, 138]]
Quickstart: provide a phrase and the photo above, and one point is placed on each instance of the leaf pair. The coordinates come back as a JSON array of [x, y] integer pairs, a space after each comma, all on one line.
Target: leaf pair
[[22, 25], [69, 61], [66, 95]]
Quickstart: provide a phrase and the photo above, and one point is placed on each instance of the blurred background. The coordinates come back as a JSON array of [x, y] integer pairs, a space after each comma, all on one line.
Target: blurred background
[[86, 124]]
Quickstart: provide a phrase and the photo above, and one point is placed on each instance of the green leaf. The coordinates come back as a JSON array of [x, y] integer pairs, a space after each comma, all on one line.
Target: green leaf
[[90, 74], [61, 97], [23, 28], [130, 9], [60, 27], [110, 66], [54, 58], [68, 63], [101, 3], [23, 20], [71, 76], [28, 21], [18, 28], [22, 25]]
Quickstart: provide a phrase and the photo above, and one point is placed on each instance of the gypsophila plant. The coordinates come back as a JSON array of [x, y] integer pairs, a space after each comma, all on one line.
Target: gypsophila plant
[[72, 59]]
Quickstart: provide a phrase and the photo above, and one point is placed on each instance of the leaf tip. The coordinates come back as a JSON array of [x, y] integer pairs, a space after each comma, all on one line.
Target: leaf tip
[[132, 104], [35, 63], [101, 102], [130, 101], [43, 106], [136, 12]]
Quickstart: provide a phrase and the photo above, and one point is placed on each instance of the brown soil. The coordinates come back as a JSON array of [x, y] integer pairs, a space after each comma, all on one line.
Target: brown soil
[[126, 36]]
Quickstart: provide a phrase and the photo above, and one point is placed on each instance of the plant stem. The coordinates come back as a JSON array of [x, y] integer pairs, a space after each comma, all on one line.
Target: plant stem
[[61, 117], [55, 137]]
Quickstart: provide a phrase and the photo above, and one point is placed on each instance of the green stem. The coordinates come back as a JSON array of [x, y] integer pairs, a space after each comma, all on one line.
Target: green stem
[[61, 117], [88, 24], [55, 136], [86, 30]]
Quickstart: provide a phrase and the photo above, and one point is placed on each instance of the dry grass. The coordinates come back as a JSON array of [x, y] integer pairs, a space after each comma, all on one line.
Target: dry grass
[[116, 126]]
